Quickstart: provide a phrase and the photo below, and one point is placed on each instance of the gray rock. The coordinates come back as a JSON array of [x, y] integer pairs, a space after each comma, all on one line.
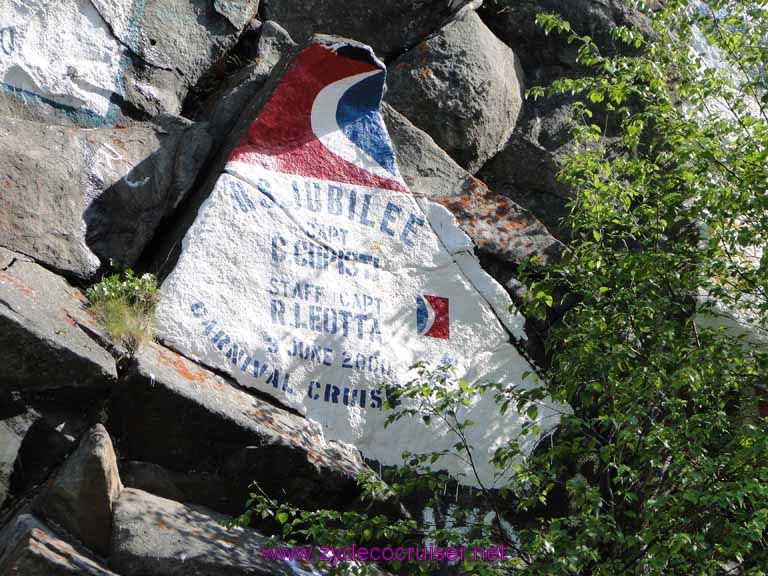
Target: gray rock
[[49, 440], [463, 87], [178, 41], [526, 170], [221, 492], [238, 12], [33, 549], [496, 224], [44, 332], [544, 56], [389, 27], [73, 199], [81, 495], [527, 173], [130, 59], [425, 167], [213, 421], [151, 478], [12, 432], [158, 537], [222, 109], [500, 227]]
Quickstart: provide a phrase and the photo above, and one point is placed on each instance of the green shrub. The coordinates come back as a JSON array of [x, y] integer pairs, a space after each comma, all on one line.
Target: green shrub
[[125, 304]]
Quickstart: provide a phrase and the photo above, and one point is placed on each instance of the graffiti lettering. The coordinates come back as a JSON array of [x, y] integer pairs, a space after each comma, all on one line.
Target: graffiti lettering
[[8, 40], [252, 364], [325, 320], [318, 257], [365, 398]]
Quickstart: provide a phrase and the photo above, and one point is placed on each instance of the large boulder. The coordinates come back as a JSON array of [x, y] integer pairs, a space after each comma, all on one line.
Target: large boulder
[[46, 333], [213, 423], [545, 56], [425, 167], [50, 439], [12, 432], [312, 274], [158, 537], [462, 86], [223, 491], [96, 62], [389, 27], [33, 549], [73, 198], [526, 169], [222, 109], [81, 495], [154, 479], [495, 223]]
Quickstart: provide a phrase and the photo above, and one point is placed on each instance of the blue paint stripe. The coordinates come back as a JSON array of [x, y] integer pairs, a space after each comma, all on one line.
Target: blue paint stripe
[[359, 118], [83, 116]]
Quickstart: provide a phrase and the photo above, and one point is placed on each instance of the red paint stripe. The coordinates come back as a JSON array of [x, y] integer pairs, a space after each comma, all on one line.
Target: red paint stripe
[[281, 138]]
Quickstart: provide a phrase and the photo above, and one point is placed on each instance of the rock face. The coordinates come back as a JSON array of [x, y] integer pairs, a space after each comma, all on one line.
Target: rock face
[[44, 332], [81, 495], [494, 223], [96, 62], [51, 437], [158, 537], [462, 86], [503, 228], [34, 550], [544, 56], [388, 27], [12, 432], [306, 300], [526, 170], [320, 259], [223, 109], [214, 422], [425, 166], [74, 199]]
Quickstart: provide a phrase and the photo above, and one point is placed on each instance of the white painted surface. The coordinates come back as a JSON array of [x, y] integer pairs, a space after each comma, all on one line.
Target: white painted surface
[[63, 51], [240, 282]]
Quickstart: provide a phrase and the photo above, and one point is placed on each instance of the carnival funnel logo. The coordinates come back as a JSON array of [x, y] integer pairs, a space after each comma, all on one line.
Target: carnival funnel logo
[[323, 122], [432, 316]]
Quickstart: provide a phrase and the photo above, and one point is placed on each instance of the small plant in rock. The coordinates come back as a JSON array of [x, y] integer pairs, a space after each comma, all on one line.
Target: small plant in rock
[[125, 303]]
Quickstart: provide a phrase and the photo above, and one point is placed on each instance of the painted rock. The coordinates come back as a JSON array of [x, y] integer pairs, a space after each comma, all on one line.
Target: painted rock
[[95, 63], [312, 273]]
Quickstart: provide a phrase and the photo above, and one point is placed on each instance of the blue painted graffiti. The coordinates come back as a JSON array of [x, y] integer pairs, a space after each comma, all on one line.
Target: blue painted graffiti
[[8, 40], [318, 197]]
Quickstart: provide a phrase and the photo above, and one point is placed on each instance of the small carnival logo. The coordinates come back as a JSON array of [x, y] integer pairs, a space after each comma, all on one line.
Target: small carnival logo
[[432, 316]]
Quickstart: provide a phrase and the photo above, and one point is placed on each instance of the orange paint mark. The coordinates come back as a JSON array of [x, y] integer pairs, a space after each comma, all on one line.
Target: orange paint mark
[[425, 73], [77, 295], [163, 525], [516, 224], [181, 366], [21, 287], [478, 185]]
